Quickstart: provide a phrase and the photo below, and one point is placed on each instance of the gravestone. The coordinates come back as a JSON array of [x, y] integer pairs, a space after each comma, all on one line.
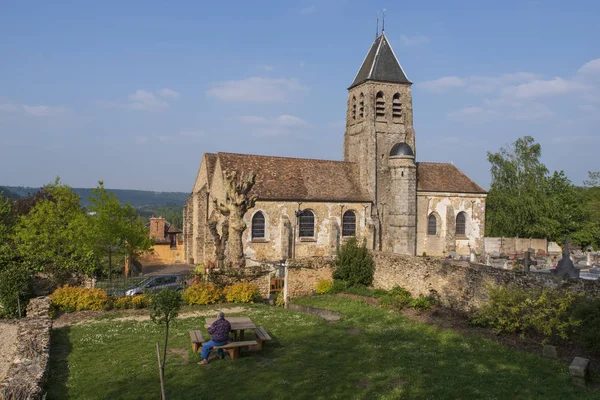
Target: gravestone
[[565, 267]]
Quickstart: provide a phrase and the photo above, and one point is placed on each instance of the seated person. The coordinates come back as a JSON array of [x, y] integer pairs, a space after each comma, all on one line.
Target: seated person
[[220, 336]]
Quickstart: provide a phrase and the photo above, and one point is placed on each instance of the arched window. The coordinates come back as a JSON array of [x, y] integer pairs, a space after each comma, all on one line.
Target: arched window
[[379, 106], [461, 224], [306, 224], [396, 108], [353, 108], [258, 225], [349, 223], [361, 106], [432, 225]]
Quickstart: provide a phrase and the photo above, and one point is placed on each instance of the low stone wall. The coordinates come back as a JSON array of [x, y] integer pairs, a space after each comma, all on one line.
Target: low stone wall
[[304, 274], [27, 375], [462, 286]]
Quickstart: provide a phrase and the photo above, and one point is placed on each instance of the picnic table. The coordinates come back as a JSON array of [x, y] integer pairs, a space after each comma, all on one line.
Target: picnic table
[[238, 325]]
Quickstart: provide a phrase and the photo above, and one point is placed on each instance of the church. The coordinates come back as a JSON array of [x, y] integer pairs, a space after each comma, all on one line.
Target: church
[[380, 193]]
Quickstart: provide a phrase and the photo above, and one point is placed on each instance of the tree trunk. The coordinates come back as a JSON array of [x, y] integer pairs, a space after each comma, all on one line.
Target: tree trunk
[[164, 360], [237, 226]]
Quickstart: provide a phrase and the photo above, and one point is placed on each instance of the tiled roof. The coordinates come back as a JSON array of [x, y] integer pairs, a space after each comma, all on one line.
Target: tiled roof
[[380, 65], [443, 177], [282, 178]]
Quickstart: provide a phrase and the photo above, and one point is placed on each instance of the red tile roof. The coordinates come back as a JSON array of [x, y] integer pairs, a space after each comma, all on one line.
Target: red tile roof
[[283, 178], [443, 177]]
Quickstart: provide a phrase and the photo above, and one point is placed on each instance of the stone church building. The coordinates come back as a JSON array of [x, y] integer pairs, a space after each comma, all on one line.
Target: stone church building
[[379, 193]]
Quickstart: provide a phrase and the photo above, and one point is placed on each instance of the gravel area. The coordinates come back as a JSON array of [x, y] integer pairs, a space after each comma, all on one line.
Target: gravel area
[[8, 346]]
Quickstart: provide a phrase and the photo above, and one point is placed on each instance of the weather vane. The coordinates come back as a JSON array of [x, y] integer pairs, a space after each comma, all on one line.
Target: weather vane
[[383, 22]]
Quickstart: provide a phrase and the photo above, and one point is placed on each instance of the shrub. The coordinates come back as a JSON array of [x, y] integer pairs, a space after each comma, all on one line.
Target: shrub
[[324, 286], [379, 293], [515, 310], [354, 264], [123, 303], [421, 303], [141, 301], [359, 290], [279, 299], [338, 286], [397, 298], [72, 298], [202, 293], [588, 333], [242, 292], [15, 283]]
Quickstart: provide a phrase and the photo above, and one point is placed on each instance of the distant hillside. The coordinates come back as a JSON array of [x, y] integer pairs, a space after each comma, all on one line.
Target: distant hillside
[[4, 191], [137, 198]]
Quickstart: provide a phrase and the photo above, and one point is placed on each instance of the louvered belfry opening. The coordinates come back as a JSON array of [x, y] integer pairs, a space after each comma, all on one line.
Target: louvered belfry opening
[[380, 106], [396, 108]]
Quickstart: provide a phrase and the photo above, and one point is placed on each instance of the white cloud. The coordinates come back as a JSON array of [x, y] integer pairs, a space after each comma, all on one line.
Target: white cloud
[[266, 67], [278, 126], [531, 112], [413, 40], [166, 92], [44, 111], [308, 10], [256, 90], [145, 100], [590, 68], [539, 88], [443, 84], [141, 139]]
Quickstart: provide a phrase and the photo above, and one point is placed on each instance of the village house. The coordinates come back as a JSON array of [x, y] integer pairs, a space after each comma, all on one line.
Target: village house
[[379, 193]]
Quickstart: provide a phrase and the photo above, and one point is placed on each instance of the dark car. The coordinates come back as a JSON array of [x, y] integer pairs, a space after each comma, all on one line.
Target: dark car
[[156, 284]]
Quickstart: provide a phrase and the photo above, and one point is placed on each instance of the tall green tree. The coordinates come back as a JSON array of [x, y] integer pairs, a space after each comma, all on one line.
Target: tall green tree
[[117, 230], [54, 235], [525, 201]]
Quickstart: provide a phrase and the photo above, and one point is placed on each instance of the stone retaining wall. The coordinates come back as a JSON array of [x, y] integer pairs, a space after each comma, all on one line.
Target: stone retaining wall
[[27, 375], [459, 285], [304, 274]]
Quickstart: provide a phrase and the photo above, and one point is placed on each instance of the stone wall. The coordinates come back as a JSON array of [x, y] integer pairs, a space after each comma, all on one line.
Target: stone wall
[[304, 274], [27, 375], [502, 245], [462, 286]]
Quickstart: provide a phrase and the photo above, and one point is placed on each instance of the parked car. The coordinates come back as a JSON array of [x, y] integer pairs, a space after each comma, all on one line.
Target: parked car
[[156, 284]]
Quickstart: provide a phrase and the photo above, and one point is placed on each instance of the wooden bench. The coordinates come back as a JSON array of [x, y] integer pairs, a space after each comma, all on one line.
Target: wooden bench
[[234, 348], [261, 337], [197, 340]]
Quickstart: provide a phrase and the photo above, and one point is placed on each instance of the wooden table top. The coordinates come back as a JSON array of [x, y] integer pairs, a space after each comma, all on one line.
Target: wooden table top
[[237, 323]]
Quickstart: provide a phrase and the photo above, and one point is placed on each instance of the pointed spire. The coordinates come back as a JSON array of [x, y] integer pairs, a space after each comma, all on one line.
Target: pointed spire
[[380, 65]]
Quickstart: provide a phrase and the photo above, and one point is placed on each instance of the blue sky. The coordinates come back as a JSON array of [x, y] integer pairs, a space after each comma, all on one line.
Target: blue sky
[[134, 92]]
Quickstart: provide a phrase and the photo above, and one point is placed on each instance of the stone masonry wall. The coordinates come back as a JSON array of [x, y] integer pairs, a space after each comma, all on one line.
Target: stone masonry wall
[[304, 274], [27, 375], [461, 286]]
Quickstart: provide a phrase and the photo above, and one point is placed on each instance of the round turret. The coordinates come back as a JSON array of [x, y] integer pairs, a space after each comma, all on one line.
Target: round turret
[[401, 149]]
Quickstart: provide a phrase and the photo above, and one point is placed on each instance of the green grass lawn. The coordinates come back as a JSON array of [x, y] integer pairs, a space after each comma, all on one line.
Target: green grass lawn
[[308, 358]]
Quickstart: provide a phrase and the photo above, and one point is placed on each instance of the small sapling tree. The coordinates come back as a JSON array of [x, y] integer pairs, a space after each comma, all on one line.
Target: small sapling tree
[[165, 306]]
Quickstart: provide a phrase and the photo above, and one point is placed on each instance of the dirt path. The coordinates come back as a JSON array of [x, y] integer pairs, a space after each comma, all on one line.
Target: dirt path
[[8, 346], [89, 317]]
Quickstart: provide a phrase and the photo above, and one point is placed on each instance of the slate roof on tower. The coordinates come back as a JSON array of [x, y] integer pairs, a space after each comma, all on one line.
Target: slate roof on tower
[[298, 179], [380, 65]]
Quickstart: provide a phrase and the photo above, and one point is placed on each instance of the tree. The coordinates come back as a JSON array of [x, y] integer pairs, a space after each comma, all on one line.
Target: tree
[[525, 201], [237, 202], [354, 264], [165, 307], [54, 235], [593, 179], [117, 230]]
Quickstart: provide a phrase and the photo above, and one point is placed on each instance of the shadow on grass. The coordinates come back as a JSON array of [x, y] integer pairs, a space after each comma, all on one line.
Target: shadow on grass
[[59, 366]]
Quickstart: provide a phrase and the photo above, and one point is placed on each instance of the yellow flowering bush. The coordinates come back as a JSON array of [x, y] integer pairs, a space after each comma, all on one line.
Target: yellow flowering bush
[[140, 301], [242, 292], [123, 303], [324, 286], [202, 293], [72, 298]]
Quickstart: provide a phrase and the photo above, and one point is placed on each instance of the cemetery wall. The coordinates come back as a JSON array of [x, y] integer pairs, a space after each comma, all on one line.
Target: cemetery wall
[[514, 245], [28, 372], [303, 275], [459, 285]]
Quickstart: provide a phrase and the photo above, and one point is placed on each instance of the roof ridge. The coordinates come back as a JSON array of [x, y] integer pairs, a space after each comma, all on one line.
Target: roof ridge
[[287, 158]]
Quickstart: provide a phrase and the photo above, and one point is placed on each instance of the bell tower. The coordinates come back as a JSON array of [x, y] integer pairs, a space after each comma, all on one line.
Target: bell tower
[[379, 116]]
